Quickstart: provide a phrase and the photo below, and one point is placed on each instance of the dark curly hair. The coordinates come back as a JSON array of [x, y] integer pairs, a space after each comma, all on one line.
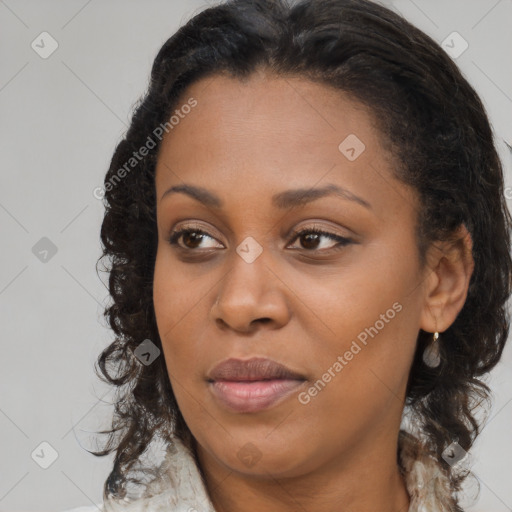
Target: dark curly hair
[[431, 120]]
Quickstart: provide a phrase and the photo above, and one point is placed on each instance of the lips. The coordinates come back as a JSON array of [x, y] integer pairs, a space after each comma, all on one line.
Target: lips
[[252, 369], [252, 385]]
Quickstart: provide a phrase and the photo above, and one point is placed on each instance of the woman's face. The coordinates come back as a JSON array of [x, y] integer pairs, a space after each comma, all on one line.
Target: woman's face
[[341, 310]]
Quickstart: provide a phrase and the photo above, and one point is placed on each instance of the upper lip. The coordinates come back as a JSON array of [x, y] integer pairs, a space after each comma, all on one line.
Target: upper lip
[[256, 368]]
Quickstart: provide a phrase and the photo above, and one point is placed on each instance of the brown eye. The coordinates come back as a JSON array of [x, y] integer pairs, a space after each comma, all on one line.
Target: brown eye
[[192, 238], [310, 239]]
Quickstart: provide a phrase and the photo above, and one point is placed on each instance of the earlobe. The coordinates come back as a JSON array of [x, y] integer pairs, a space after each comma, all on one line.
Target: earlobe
[[450, 267]]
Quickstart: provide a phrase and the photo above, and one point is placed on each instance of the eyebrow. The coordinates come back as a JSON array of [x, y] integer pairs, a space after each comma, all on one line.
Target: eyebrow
[[282, 200]]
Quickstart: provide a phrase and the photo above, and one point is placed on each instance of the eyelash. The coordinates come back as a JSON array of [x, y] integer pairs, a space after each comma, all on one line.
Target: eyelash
[[342, 241]]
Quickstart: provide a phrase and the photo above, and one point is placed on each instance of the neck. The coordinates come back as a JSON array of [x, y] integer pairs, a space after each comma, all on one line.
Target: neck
[[368, 480]]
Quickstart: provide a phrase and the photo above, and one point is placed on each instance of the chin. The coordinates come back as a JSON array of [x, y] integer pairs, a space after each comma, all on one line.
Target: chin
[[262, 456]]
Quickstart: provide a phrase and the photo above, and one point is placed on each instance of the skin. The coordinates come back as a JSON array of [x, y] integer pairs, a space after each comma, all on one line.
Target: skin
[[301, 304]]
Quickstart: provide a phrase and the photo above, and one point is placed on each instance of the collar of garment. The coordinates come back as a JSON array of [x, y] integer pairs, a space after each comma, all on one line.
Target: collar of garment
[[180, 487]]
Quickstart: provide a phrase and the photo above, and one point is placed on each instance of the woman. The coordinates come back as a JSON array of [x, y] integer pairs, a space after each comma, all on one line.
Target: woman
[[309, 256]]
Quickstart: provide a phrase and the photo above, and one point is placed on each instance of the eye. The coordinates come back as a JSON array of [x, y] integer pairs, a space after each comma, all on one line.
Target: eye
[[311, 236], [192, 238]]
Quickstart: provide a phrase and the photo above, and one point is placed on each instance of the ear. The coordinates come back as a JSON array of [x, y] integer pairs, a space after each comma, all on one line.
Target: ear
[[449, 268]]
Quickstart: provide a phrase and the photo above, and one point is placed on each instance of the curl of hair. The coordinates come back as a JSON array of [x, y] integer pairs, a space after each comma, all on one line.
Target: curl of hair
[[432, 122]]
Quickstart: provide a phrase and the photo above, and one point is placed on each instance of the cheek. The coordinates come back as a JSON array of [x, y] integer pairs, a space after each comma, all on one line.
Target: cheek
[[376, 292], [176, 301], [369, 318], [176, 293], [361, 376]]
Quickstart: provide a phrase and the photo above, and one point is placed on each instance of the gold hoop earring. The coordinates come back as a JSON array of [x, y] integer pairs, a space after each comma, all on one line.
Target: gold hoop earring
[[431, 355]]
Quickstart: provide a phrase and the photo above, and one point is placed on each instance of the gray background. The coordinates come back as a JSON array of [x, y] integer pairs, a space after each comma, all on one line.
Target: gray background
[[61, 118]]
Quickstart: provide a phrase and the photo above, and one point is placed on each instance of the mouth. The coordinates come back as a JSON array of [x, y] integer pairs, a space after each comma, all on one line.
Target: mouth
[[252, 385]]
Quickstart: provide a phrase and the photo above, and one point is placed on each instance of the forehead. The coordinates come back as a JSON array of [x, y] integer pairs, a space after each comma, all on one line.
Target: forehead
[[275, 111], [265, 133]]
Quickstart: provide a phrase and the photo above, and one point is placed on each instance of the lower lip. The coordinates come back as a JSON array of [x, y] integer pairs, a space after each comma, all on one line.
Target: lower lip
[[246, 396]]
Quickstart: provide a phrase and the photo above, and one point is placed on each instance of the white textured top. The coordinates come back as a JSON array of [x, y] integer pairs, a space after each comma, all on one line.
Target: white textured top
[[181, 489], [92, 508]]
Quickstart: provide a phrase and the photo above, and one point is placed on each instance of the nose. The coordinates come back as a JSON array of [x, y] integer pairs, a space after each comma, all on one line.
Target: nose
[[251, 294]]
